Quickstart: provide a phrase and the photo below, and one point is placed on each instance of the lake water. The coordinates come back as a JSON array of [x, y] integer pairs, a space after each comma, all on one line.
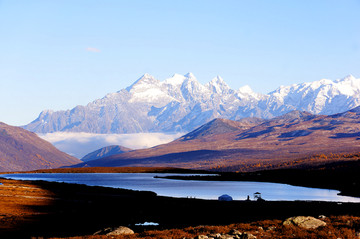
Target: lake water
[[190, 188]]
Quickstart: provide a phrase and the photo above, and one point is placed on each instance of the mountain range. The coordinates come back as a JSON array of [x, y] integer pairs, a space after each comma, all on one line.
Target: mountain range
[[181, 104], [21, 150], [295, 139]]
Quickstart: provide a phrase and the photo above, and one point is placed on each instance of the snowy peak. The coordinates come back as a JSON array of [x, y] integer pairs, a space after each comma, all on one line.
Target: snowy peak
[[190, 75], [218, 86], [247, 93], [246, 90], [349, 78], [191, 89], [145, 81], [175, 80], [319, 97], [181, 103]]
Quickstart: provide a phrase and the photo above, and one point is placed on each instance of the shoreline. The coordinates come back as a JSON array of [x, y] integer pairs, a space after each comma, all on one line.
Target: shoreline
[[347, 181], [196, 177], [54, 209]]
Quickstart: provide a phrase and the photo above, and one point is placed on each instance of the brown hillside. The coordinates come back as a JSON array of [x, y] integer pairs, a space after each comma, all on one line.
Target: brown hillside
[[272, 143], [21, 150]]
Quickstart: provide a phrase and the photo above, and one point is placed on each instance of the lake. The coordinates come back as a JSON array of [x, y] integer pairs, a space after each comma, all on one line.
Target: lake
[[238, 190]]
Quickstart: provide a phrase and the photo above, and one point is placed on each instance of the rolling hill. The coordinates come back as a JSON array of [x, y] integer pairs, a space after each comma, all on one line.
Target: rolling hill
[[21, 150], [296, 139], [105, 152]]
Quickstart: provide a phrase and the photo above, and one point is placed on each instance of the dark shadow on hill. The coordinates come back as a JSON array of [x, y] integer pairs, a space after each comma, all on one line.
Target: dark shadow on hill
[[295, 134], [197, 156], [345, 135], [247, 135]]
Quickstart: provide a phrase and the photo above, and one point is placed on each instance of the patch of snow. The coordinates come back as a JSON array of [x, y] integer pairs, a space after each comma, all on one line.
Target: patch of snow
[[175, 80], [147, 224]]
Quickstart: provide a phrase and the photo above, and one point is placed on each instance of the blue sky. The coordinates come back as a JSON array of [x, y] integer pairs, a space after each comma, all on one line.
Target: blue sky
[[62, 53]]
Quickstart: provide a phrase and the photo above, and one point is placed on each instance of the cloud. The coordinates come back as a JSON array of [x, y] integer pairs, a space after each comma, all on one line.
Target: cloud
[[80, 144], [93, 49]]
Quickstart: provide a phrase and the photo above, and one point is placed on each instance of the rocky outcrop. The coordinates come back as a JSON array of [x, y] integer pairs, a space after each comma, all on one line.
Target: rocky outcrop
[[233, 234], [304, 222], [121, 230]]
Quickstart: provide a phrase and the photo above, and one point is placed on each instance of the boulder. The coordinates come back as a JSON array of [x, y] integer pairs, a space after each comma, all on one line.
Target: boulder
[[201, 237], [235, 232], [120, 231], [247, 235], [304, 222]]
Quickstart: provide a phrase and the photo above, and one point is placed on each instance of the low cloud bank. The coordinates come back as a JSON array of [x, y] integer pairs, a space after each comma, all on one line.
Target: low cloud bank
[[80, 144]]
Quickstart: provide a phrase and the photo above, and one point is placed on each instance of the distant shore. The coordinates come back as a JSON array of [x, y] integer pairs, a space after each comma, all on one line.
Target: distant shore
[[113, 170], [342, 176]]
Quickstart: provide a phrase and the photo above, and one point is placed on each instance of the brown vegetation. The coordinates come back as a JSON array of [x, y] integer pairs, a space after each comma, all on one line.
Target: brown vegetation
[[22, 150], [346, 227], [284, 142]]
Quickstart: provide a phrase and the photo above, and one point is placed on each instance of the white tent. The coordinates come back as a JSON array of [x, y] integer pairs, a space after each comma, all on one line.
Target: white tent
[[225, 197]]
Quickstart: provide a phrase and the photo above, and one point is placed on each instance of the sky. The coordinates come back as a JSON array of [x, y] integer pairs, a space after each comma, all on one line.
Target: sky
[[62, 53]]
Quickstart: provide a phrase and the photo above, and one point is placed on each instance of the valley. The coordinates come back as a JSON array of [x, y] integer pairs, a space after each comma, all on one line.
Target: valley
[[179, 119]]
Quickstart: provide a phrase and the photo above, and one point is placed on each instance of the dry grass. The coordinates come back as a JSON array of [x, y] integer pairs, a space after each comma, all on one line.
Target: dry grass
[[18, 200], [345, 227]]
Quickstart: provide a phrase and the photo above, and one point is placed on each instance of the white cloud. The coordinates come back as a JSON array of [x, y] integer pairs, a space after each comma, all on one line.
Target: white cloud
[[93, 49], [80, 144]]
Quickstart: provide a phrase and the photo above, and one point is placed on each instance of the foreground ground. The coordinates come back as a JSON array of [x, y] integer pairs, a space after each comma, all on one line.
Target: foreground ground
[[44, 209]]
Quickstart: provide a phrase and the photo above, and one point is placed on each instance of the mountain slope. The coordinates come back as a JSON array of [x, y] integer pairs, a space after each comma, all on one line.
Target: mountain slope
[[288, 140], [105, 152], [181, 104], [22, 150]]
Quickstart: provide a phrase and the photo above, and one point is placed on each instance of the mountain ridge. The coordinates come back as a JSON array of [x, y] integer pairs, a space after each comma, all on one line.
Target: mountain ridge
[[286, 141], [105, 152], [181, 104]]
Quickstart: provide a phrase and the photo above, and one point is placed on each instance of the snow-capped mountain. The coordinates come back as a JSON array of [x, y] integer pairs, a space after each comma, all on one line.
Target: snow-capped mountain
[[181, 103]]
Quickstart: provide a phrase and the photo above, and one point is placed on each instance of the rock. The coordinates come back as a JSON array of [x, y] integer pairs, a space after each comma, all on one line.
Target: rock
[[226, 236], [120, 231], [235, 232], [201, 237], [304, 222], [247, 235], [272, 228], [214, 235], [103, 231]]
